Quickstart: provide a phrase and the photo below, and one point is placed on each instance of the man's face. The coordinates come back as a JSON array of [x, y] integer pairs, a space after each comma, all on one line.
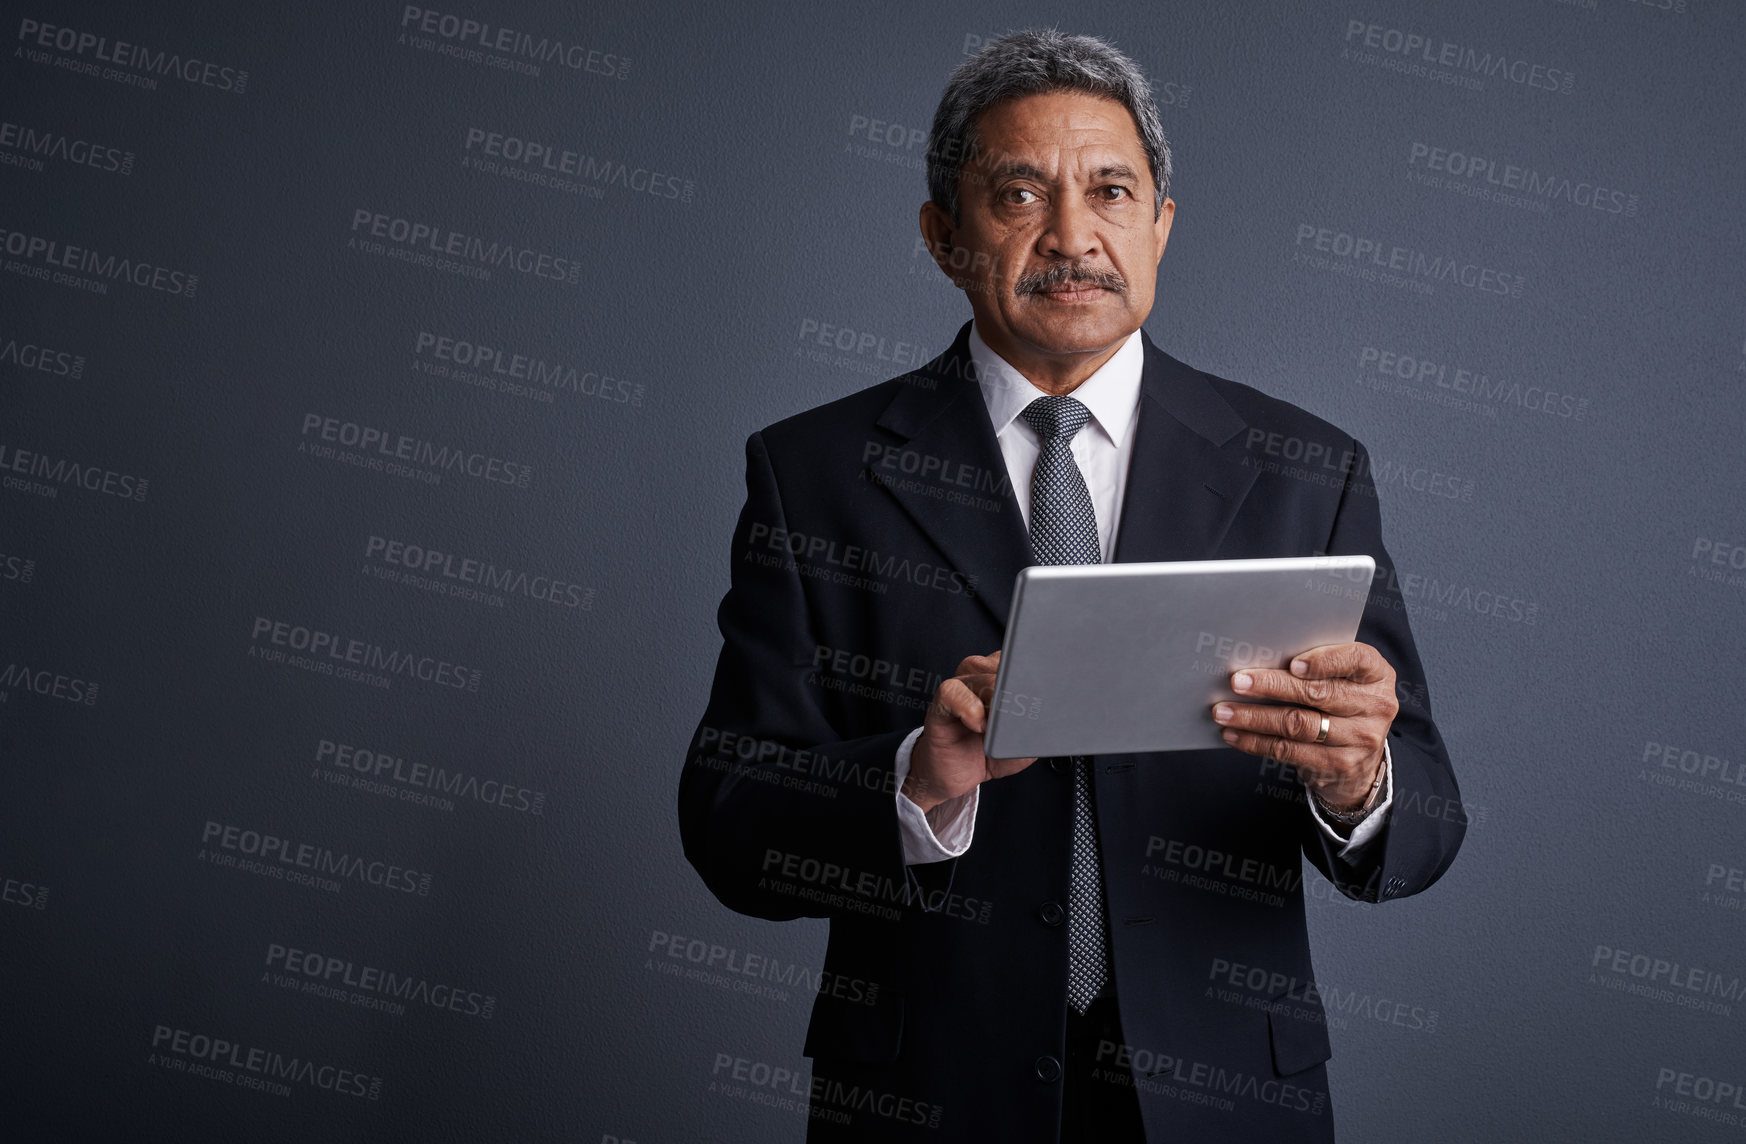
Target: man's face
[[1055, 214]]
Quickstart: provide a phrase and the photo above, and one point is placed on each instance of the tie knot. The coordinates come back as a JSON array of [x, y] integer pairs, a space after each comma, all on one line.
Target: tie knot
[[1056, 415]]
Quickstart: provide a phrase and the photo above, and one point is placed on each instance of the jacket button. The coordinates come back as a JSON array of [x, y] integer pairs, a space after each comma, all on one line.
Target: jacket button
[[1051, 913], [1048, 1069]]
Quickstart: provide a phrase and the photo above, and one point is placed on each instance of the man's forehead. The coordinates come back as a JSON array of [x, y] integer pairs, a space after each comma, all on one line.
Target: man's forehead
[[1042, 131]]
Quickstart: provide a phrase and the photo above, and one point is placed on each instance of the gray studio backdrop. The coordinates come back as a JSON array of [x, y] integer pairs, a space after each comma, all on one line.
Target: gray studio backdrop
[[375, 382]]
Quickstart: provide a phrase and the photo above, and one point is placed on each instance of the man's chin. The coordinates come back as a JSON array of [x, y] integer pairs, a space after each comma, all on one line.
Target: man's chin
[[1079, 329]]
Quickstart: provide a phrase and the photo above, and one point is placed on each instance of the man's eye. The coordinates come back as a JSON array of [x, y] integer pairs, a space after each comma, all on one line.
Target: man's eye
[[1115, 193], [1012, 195]]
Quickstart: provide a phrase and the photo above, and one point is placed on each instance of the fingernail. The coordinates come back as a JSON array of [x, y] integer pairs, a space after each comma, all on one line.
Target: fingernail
[[1240, 681], [1222, 712], [1299, 667], [1229, 736]]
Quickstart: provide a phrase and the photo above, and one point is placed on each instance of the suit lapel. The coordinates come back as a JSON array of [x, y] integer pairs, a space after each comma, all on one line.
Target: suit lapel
[[948, 454], [1183, 488]]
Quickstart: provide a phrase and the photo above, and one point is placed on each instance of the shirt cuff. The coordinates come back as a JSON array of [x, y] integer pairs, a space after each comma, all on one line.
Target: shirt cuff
[[1373, 822], [941, 833]]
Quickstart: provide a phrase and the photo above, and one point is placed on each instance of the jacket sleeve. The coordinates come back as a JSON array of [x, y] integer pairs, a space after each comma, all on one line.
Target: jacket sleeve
[[780, 814], [1426, 822]]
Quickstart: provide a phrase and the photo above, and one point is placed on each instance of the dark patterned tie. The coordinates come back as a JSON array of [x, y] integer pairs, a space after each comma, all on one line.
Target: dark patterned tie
[[1064, 531]]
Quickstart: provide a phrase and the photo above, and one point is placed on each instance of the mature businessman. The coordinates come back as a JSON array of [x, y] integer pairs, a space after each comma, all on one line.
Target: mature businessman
[[1103, 948]]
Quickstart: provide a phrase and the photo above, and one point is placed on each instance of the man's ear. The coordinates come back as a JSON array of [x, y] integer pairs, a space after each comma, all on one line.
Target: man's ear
[[940, 233], [1161, 227]]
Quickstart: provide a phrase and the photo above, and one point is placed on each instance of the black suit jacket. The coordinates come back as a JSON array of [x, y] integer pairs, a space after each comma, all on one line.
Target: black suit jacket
[[877, 548]]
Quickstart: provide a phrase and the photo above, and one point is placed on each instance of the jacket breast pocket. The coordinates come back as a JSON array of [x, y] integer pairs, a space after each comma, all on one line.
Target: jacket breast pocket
[[856, 1028], [1298, 1028]]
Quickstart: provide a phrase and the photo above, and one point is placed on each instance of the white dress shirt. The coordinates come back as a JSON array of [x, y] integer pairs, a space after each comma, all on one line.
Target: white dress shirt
[[1101, 448]]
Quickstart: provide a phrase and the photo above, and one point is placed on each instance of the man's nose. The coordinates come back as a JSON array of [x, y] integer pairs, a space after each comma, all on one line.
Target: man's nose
[[1071, 232]]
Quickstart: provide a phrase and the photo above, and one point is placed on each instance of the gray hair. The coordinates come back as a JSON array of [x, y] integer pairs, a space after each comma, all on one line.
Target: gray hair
[[1033, 62]]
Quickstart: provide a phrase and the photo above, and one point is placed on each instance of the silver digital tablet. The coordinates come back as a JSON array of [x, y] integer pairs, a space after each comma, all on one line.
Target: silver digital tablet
[[1117, 658]]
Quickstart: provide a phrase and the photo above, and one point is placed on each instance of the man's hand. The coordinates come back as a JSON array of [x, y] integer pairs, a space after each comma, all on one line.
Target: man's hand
[[947, 760], [1351, 684]]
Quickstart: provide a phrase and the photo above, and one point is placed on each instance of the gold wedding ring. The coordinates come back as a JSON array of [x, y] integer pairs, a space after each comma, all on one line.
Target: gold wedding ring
[[1322, 735]]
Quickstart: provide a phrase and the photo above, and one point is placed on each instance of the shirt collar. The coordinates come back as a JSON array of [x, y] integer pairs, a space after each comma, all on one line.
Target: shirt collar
[[1112, 394]]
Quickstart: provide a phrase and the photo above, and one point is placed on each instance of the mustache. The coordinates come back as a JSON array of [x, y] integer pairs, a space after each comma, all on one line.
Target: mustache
[[1061, 273]]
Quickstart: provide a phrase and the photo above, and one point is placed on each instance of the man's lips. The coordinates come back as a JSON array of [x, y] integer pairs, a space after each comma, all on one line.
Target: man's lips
[[1071, 292]]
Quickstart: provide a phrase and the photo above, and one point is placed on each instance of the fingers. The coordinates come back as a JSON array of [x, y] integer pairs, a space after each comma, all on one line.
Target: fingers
[[1358, 662], [1341, 679], [1310, 758], [1346, 758], [1335, 696], [976, 664], [965, 696], [956, 700], [1301, 724]]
